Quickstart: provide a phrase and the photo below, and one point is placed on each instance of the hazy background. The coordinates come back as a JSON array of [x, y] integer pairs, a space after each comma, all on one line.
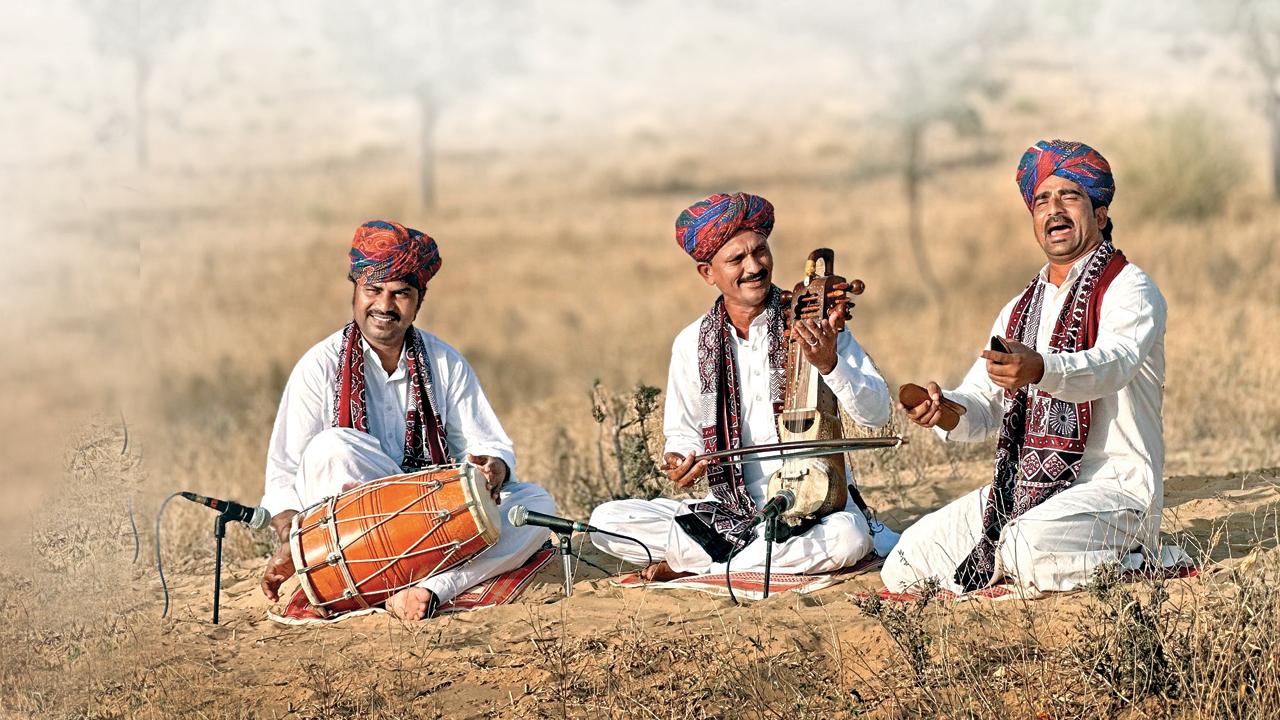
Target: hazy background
[[179, 182]]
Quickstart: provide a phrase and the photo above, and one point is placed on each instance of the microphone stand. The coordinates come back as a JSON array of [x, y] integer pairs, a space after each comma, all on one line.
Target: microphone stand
[[770, 534], [566, 557], [219, 532]]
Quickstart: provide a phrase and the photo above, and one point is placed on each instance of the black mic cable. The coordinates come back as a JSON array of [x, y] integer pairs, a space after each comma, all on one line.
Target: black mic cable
[[164, 587], [644, 547], [519, 515], [728, 579]]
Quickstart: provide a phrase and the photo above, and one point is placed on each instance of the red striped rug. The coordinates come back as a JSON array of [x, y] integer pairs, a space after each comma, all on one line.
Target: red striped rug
[[749, 584], [500, 590]]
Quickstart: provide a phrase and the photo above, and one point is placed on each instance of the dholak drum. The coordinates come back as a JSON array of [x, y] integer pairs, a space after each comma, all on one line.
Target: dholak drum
[[357, 549]]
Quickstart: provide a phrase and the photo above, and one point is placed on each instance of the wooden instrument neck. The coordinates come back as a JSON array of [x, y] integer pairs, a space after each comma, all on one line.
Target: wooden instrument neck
[[817, 297]]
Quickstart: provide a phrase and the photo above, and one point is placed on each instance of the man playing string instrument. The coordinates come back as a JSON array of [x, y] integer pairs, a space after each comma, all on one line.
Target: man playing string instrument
[[1075, 400], [380, 398], [724, 391]]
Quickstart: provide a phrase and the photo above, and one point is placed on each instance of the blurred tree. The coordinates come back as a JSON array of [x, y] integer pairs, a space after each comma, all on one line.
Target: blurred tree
[[1260, 24], [924, 66], [138, 30], [936, 60], [436, 51]]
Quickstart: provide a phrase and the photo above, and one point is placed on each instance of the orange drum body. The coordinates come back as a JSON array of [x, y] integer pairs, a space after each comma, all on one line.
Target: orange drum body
[[363, 546]]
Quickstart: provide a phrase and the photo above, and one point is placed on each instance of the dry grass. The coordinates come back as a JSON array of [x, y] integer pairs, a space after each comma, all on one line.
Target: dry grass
[[1154, 649]]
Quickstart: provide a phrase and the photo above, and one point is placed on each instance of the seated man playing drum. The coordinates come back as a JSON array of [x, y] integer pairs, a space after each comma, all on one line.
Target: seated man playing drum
[[725, 391], [380, 398]]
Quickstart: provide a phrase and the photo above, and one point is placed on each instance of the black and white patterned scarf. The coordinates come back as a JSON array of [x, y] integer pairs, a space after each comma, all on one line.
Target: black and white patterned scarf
[[424, 435], [721, 410]]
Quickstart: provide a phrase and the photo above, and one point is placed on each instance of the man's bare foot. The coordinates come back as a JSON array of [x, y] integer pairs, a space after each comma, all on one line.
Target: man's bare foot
[[410, 603], [660, 572]]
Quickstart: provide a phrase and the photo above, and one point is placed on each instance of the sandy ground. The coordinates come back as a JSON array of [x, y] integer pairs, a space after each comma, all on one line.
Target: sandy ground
[[540, 656]]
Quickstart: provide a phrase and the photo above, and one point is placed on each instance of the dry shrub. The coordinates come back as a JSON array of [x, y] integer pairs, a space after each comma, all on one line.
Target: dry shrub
[[1156, 648], [1216, 655], [617, 458], [1122, 639], [904, 623], [1180, 165]]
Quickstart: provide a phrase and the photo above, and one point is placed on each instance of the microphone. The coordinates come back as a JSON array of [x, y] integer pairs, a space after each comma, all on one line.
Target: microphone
[[254, 517], [780, 503], [520, 515]]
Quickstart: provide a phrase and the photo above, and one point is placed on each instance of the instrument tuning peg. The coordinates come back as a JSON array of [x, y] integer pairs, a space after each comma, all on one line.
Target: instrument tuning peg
[[856, 287], [787, 297]]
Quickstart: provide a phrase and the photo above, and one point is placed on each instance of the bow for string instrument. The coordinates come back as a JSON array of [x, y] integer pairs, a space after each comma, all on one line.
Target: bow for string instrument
[[810, 410]]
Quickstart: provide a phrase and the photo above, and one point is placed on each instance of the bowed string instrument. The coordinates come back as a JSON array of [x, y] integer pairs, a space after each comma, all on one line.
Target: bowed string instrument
[[811, 437]]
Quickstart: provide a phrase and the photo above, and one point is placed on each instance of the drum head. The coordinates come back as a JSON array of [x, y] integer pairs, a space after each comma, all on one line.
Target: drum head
[[483, 509], [299, 562]]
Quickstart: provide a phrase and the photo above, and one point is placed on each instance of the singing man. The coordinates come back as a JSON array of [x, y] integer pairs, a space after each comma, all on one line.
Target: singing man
[[1074, 397]]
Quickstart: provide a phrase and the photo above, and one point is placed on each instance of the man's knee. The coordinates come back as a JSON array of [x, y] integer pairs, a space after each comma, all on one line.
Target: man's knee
[[849, 538], [1023, 546], [908, 565], [334, 446], [607, 516], [897, 574], [533, 497], [611, 517]]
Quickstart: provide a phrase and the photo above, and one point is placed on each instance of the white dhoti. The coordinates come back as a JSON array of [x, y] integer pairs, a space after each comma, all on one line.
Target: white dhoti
[[338, 456], [1055, 546], [839, 540]]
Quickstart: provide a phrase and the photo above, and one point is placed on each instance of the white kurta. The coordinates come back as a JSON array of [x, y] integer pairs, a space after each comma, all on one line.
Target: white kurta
[[308, 461], [839, 541], [1112, 513]]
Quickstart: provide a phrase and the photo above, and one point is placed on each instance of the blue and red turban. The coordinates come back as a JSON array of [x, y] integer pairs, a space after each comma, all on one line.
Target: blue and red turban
[[707, 225], [384, 251], [1074, 161]]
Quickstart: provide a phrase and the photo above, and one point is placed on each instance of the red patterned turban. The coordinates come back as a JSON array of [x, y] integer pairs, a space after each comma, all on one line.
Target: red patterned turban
[[384, 251], [1074, 161], [708, 224]]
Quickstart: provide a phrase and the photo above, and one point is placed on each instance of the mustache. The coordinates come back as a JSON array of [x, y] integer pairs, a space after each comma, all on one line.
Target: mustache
[[752, 278], [387, 315], [1058, 219]]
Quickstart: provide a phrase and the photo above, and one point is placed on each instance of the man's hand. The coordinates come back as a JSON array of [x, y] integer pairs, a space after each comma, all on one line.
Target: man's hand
[[928, 412], [494, 472], [410, 603], [281, 523], [818, 339], [279, 569], [683, 471], [1016, 368]]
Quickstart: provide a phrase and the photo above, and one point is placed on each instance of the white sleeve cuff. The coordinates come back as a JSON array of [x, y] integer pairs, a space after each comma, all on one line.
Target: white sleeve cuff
[[682, 447], [1055, 373], [280, 501]]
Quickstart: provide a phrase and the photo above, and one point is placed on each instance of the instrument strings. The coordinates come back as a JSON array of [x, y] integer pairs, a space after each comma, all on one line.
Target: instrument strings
[[799, 379]]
